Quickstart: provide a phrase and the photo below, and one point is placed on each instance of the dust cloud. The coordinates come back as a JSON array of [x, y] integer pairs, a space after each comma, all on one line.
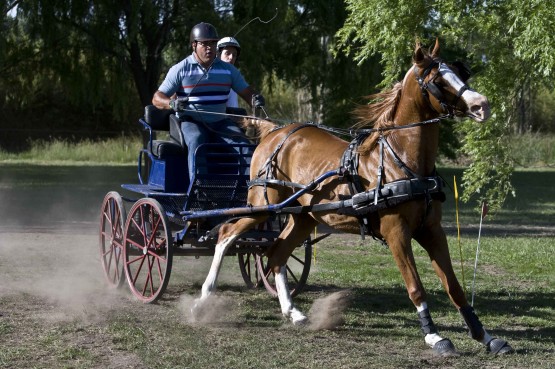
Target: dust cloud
[[49, 251], [216, 309], [327, 312], [62, 271]]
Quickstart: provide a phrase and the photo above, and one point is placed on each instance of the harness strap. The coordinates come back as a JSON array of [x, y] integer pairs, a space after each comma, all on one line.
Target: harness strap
[[349, 167], [268, 165], [391, 194], [266, 181], [398, 160]]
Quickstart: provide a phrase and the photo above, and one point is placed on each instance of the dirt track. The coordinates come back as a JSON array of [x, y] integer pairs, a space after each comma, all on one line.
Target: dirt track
[[54, 305]]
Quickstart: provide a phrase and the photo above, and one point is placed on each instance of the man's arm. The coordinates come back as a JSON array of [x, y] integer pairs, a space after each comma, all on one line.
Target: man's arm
[[161, 100], [247, 95]]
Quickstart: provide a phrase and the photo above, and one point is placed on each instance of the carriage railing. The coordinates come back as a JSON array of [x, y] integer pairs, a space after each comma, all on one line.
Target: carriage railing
[[270, 208], [221, 177]]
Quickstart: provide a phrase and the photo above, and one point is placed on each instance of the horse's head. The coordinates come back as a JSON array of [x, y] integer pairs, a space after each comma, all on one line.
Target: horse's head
[[445, 88]]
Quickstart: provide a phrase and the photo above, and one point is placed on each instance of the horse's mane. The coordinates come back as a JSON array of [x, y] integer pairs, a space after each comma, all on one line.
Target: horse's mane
[[256, 129], [378, 113]]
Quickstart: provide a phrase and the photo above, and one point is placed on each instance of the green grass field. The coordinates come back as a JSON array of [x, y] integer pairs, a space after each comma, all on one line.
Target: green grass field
[[55, 311]]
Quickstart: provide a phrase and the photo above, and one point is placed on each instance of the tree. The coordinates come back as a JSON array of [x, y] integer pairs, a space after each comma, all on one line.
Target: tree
[[509, 44]]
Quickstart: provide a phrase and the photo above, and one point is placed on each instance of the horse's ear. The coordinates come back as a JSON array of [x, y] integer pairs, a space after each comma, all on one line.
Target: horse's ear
[[419, 54], [435, 51]]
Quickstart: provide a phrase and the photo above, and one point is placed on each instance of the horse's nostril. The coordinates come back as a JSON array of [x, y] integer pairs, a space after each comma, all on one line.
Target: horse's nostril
[[480, 110]]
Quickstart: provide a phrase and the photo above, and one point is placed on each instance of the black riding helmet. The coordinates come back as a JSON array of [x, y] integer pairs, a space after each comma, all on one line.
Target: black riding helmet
[[203, 32]]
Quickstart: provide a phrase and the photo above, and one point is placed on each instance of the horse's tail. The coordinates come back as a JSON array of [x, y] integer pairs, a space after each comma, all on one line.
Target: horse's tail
[[257, 129]]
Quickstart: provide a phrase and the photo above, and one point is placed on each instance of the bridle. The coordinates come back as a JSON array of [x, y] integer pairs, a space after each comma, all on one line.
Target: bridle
[[430, 87]]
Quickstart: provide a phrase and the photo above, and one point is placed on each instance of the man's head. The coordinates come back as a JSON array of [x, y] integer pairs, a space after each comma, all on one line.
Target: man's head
[[229, 49], [203, 39]]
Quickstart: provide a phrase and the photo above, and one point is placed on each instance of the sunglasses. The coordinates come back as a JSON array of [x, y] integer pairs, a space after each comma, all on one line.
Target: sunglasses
[[207, 43]]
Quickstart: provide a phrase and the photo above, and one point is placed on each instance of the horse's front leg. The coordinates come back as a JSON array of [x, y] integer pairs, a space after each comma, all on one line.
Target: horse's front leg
[[297, 230], [284, 295], [398, 236], [228, 233], [434, 241]]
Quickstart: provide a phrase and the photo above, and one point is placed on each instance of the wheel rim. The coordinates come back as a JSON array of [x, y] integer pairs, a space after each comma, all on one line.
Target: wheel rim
[[112, 221], [298, 268], [248, 262], [148, 250]]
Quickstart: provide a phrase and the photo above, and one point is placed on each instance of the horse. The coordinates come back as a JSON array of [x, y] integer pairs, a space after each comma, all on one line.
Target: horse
[[398, 153]]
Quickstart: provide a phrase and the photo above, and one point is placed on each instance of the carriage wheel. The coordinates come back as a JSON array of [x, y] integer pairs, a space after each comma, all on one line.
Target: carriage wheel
[[248, 262], [249, 269], [112, 221], [147, 250], [298, 268]]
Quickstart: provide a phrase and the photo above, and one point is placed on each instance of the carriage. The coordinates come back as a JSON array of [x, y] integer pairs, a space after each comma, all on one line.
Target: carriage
[[172, 217], [383, 183]]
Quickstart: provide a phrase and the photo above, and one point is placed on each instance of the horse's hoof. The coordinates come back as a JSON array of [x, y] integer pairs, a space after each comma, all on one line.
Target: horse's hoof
[[445, 348], [498, 346], [298, 318], [196, 309]]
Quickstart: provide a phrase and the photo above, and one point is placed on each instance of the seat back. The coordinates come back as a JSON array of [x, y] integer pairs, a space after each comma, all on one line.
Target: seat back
[[158, 119]]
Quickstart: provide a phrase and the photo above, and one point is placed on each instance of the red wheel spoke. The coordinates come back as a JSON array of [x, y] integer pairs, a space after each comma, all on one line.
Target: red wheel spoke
[[148, 278], [160, 276], [138, 271], [147, 233]]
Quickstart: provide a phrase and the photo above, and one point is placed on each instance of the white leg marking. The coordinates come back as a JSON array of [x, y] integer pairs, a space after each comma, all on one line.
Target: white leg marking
[[211, 280], [423, 306], [431, 338], [285, 301]]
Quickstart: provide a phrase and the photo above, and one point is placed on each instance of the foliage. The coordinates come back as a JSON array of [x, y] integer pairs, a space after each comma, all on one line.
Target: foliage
[[97, 63], [71, 67], [497, 39]]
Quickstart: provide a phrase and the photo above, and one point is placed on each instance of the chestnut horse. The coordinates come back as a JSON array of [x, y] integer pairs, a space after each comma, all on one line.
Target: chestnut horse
[[296, 154]]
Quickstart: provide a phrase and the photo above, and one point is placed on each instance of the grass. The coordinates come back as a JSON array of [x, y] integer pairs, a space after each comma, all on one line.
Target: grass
[[514, 300], [514, 294], [528, 150], [114, 151]]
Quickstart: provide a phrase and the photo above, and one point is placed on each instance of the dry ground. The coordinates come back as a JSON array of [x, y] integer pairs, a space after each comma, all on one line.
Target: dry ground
[[55, 310]]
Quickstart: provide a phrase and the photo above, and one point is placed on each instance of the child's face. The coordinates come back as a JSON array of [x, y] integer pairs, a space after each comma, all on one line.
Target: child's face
[[229, 54]]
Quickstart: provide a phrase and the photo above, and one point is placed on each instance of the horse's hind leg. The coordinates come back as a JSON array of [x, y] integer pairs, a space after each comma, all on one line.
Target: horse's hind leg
[[434, 241], [227, 235], [297, 230]]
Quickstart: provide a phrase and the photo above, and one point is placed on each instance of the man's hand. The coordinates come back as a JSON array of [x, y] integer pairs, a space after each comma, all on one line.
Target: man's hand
[[258, 101], [179, 104]]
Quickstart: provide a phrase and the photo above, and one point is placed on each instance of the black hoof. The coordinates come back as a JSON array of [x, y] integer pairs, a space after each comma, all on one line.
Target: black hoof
[[445, 348], [497, 346]]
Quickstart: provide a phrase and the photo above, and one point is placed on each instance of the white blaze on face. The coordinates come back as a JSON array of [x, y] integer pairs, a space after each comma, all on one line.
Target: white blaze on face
[[477, 104]]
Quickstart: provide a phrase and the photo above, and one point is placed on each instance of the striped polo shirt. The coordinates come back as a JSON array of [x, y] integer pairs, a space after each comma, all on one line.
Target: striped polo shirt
[[207, 92]]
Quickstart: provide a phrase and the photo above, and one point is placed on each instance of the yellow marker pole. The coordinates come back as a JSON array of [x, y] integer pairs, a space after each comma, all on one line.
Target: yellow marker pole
[[459, 230], [314, 246]]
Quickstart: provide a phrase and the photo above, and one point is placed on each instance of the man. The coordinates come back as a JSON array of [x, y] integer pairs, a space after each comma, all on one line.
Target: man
[[197, 88], [229, 50]]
